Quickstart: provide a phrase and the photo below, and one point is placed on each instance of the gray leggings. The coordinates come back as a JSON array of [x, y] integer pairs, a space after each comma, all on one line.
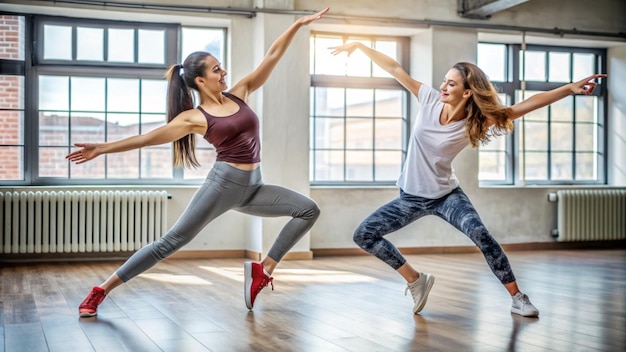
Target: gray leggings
[[455, 208], [225, 188]]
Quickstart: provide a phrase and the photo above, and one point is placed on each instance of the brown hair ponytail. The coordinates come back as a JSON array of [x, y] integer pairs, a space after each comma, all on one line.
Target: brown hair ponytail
[[181, 81]]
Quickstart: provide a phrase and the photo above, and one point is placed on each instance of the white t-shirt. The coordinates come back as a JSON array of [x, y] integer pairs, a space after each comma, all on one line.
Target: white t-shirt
[[428, 168]]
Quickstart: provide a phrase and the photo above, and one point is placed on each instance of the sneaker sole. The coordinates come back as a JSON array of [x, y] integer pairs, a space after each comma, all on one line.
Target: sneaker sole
[[430, 281], [527, 315], [87, 314], [247, 275]]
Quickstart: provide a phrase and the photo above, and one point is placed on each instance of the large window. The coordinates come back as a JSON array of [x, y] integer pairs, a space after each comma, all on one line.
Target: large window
[[91, 81], [562, 143], [359, 115]]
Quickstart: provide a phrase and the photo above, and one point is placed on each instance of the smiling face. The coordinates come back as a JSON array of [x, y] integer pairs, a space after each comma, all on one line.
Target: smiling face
[[213, 78], [453, 90]]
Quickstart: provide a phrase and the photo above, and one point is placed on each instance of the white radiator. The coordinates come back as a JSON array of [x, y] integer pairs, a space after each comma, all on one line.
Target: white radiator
[[77, 222], [591, 215]]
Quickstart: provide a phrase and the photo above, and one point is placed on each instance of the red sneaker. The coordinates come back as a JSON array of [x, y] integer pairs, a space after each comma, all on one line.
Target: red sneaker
[[255, 281], [89, 307]]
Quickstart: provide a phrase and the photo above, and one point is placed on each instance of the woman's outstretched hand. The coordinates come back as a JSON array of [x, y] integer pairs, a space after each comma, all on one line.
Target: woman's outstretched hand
[[349, 48], [88, 152], [308, 19], [586, 86]]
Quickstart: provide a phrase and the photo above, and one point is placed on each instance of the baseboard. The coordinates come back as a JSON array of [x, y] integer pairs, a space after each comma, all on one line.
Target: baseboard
[[308, 255]]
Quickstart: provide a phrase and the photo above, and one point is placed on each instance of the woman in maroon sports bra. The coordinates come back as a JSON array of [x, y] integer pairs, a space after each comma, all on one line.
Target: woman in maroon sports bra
[[235, 182]]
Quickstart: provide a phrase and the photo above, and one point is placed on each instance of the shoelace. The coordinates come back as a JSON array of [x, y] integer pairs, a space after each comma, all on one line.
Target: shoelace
[[93, 298], [264, 283], [409, 289]]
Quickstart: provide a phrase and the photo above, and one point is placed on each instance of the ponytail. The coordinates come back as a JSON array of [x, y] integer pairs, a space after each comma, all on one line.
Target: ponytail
[[181, 81]]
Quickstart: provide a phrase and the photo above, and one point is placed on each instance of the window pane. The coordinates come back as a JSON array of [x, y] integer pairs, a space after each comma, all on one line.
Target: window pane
[[57, 43], [153, 95], [156, 162], [87, 93], [584, 65], [561, 166], [492, 165], [11, 127], [151, 121], [562, 110], [151, 46], [123, 165], [329, 133], [536, 166], [54, 93], [389, 103], [559, 67], [11, 163], [120, 126], [388, 134], [328, 165], [359, 165], [387, 165], [53, 129], [536, 135], [562, 138], [359, 102], [11, 92], [496, 144], [121, 45], [329, 101], [535, 67], [389, 48], [586, 108], [12, 39], [203, 39], [89, 44], [492, 59], [323, 63], [122, 95], [586, 138], [586, 166], [52, 162], [359, 133], [88, 127]]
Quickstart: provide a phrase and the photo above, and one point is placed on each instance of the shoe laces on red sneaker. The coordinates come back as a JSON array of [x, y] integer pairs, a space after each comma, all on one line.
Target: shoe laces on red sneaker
[[89, 307], [260, 280]]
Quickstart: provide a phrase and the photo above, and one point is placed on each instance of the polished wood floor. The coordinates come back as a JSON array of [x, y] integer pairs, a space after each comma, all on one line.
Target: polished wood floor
[[326, 304]]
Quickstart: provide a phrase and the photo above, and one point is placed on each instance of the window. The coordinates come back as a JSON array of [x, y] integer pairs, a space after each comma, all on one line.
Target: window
[[93, 81], [359, 115], [562, 143]]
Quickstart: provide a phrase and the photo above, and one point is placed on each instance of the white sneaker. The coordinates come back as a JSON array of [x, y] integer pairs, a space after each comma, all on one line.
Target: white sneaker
[[521, 305], [419, 290]]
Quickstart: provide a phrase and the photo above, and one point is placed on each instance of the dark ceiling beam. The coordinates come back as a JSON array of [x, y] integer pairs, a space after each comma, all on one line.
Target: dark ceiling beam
[[483, 9]]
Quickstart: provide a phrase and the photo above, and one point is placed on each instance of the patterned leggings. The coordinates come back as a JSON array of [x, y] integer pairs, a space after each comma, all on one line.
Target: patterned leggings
[[455, 208]]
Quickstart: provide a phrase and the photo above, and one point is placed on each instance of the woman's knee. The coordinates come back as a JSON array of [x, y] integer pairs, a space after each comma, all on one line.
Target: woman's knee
[[168, 244], [363, 237]]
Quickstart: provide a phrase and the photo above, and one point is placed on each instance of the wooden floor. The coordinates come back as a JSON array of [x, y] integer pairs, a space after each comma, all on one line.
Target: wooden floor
[[325, 304]]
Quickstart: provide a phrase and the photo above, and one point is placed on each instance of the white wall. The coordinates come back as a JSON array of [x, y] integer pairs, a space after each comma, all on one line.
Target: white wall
[[513, 214]]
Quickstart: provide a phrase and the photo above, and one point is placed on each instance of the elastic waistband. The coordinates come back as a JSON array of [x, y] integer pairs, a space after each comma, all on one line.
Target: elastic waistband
[[238, 176]]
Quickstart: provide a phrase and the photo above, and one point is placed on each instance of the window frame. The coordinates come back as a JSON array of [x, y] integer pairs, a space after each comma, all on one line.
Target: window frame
[[358, 82], [513, 169], [34, 66]]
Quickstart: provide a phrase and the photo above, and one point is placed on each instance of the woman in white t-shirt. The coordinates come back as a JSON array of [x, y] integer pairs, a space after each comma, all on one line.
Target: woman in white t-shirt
[[465, 111]]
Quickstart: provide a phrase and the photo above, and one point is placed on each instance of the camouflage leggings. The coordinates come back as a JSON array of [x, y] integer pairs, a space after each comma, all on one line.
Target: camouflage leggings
[[455, 208]]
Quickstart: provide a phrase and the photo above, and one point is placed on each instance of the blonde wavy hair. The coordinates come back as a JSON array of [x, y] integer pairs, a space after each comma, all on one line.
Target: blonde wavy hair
[[482, 103]]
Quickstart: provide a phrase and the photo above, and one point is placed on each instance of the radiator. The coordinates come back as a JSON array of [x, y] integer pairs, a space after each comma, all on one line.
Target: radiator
[[76, 222], [591, 215]]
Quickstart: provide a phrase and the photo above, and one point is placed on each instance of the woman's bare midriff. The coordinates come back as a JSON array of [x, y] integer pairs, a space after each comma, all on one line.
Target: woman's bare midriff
[[246, 167]]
